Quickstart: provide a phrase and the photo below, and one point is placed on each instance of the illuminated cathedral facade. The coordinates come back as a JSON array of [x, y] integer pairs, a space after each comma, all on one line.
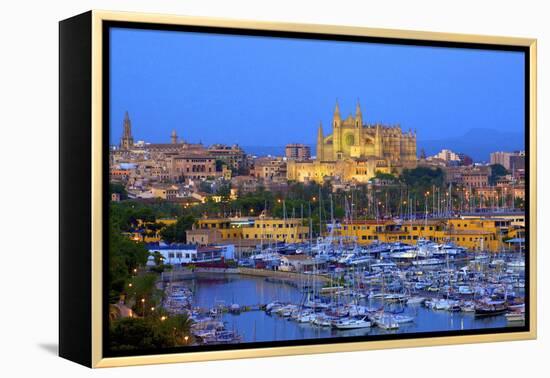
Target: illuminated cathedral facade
[[355, 151]]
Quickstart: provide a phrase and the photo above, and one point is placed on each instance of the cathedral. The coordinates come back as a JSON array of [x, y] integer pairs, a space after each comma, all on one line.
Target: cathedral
[[355, 151]]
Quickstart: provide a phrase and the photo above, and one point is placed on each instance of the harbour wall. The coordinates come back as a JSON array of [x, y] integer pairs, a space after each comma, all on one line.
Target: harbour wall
[[188, 274], [289, 276]]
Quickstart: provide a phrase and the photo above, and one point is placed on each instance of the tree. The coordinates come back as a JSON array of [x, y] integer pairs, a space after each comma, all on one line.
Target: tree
[[423, 177], [176, 233], [143, 294], [115, 187], [497, 171], [125, 255], [181, 328], [224, 191], [385, 176], [139, 334]]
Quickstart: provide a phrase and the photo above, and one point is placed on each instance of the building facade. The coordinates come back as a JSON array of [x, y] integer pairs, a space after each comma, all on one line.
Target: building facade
[[297, 151], [475, 233]]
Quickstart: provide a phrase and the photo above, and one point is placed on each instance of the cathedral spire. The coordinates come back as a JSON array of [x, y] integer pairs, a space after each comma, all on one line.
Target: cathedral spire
[[174, 137], [358, 115], [320, 155], [337, 110]]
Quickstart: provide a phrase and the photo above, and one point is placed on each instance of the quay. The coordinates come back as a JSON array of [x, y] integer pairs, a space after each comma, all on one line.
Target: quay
[[292, 278]]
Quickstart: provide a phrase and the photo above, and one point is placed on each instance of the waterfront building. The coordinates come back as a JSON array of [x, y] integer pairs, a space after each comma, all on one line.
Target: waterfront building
[[226, 229], [297, 151], [288, 230], [355, 151], [174, 253], [298, 263], [215, 253], [178, 253], [268, 230], [474, 233]]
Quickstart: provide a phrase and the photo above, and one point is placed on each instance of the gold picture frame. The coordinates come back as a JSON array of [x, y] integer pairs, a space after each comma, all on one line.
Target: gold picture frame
[[91, 26]]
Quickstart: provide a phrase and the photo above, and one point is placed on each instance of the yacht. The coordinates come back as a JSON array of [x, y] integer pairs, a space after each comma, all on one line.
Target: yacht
[[352, 323]]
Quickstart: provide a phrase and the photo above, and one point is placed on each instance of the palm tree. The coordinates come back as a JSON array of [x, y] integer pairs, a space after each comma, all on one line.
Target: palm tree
[[181, 329]]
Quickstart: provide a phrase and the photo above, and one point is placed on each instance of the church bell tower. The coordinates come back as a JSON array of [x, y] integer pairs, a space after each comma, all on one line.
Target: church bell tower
[[127, 140]]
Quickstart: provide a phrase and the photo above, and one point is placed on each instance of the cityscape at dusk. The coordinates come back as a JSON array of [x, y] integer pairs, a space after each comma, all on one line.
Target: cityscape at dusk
[[276, 189]]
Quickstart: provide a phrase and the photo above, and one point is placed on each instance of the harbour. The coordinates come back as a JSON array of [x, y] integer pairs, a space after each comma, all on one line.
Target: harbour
[[385, 296]]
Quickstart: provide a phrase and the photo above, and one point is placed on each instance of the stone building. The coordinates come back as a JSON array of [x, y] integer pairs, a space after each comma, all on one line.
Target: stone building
[[297, 151]]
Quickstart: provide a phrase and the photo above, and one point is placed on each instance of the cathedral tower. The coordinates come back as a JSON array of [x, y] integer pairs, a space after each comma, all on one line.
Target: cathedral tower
[[320, 155], [358, 124], [337, 132], [127, 140], [174, 137]]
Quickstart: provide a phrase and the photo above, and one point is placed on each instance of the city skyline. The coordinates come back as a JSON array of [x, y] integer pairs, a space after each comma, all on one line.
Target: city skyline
[[198, 99]]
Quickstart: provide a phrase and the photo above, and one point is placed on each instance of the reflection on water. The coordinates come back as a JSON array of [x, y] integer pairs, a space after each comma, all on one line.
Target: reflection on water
[[258, 326]]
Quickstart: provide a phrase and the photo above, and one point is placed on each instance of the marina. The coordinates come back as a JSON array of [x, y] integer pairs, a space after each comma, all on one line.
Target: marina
[[388, 293]]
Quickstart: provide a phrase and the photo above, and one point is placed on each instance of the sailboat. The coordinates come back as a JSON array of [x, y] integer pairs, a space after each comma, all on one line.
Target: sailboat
[[352, 323]]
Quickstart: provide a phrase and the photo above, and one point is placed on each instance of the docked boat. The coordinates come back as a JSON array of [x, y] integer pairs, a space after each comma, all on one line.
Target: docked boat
[[401, 319], [515, 317], [517, 264], [386, 321], [415, 300], [490, 308], [428, 262], [352, 323]]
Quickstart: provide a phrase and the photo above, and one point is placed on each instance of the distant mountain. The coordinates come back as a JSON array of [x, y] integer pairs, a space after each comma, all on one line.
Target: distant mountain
[[477, 143]]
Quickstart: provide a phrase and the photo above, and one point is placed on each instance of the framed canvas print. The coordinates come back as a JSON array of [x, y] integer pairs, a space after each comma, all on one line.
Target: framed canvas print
[[235, 189]]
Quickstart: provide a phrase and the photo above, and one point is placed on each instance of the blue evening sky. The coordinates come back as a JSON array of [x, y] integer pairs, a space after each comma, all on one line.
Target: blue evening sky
[[258, 91]]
